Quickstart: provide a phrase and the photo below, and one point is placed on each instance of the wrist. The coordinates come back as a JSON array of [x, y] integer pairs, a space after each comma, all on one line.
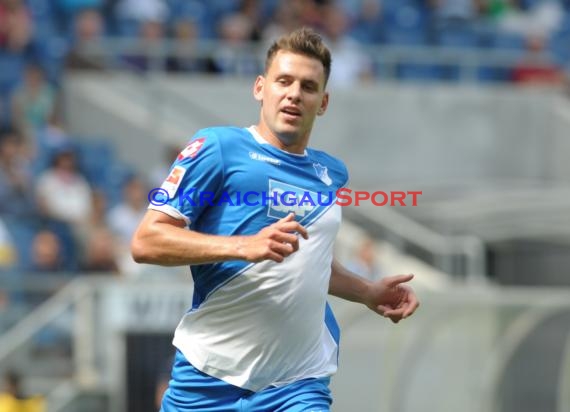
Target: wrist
[[237, 248], [367, 294]]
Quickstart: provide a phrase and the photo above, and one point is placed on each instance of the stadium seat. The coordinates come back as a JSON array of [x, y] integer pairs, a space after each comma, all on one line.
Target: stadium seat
[[95, 156], [501, 40], [458, 37], [405, 24], [22, 233], [419, 72]]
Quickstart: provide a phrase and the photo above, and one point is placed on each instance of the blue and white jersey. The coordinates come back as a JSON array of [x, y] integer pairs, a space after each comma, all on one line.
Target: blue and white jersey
[[263, 324]]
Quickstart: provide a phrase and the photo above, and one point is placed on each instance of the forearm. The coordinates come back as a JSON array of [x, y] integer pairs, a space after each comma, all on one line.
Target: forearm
[[168, 245], [346, 285]]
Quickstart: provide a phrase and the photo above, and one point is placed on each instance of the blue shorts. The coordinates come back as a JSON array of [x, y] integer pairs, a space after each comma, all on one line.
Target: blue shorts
[[192, 390]]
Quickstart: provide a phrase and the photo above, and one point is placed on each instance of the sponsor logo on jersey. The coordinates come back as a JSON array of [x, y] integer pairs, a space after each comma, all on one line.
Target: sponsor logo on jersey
[[263, 158], [283, 198], [322, 173], [172, 182], [192, 149]]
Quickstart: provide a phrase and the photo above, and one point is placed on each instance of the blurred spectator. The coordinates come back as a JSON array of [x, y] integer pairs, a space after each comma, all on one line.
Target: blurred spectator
[[7, 250], [132, 13], [368, 25], [456, 11], [62, 191], [542, 19], [151, 35], [87, 31], [284, 20], [16, 28], [98, 215], [252, 10], [66, 10], [100, 253], [47, 253], [235, 31], [365, 261], [536, 68], [96, 219], [126, 216], [34, 104], [351, 64], [499, 9], [185, 32], [16, 188], [50, 139], [12, 398], [123, 221]]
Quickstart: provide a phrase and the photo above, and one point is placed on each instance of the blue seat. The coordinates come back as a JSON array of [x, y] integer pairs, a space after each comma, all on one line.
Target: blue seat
[[94, 158], [458, 37], [402, 37], [404, 23], [559, 46], [501, 40], [115, 177], [22, 233], [69, 247], [494, 74], [12, 65], [419, 72]]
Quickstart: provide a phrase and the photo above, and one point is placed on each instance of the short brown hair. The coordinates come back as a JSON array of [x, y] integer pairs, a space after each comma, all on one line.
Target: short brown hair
[[303, 41]]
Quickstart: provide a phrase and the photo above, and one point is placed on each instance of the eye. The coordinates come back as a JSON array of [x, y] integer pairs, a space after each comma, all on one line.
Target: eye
[[310, 87]]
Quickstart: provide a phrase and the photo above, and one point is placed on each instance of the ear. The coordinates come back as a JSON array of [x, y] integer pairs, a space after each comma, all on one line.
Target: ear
[[258, 88], [324, 104]]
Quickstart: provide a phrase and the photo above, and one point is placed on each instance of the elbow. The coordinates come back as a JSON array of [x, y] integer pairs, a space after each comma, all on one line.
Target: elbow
[[140, 250]]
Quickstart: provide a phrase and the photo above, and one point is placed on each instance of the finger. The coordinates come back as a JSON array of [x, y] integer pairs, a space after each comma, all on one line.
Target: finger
[[294, 227], [392, 281], [411, 305], [397, 313], [283, 249], [285, 237], [289, 218], [382, 309], [276, 257]]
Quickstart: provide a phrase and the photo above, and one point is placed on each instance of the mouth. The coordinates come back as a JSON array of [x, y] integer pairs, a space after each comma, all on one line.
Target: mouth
[[291, 112]]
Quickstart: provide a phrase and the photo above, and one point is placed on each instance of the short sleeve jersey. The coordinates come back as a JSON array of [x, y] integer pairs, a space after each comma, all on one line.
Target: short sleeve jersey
[[263, 324]]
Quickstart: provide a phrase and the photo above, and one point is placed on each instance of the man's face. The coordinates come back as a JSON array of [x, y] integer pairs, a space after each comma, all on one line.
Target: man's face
[[292, 95]]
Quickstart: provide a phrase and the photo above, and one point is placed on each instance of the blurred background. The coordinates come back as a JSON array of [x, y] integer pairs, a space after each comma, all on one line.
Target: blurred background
[[467, 101]]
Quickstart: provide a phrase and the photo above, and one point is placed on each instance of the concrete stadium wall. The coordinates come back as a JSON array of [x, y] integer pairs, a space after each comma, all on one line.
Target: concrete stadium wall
[[388, 134]]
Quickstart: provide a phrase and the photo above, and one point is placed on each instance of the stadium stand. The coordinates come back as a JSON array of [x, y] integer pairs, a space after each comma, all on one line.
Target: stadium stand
[[108, 68]]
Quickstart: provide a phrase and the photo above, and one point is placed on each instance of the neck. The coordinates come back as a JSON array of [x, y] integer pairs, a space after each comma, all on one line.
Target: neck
[[297, 146]]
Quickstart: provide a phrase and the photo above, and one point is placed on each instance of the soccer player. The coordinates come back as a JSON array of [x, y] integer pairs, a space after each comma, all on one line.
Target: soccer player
[[252, 211]]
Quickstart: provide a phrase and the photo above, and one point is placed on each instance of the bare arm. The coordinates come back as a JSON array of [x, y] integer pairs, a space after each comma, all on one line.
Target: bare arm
[[346, 285], [163, 240], [388, 297]]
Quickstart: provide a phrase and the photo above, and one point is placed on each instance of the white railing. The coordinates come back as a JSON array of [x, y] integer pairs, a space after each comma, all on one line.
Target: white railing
[[110, 51], [405, 234], [453, 327]]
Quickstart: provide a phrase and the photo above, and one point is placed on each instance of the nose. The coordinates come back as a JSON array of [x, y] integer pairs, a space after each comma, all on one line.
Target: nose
[[294, 92]]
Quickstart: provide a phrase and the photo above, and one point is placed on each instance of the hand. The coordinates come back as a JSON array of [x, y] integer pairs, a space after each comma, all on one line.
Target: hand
[[390, 298], [275, 242]]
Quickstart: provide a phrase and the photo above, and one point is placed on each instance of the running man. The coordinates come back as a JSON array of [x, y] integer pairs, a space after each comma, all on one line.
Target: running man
[[260, 335]]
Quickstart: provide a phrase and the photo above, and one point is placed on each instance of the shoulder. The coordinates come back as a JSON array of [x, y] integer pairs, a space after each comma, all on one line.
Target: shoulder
[[221, 133], [218, 138]]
